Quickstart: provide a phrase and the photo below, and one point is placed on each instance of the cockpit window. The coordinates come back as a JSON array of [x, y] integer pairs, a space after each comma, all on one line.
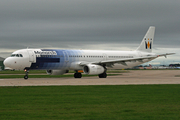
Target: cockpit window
[[13, 55], [16, 55]]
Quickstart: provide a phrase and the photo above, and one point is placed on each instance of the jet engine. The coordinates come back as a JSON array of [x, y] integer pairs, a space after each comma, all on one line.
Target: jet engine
[[56, 72], [92, 69]]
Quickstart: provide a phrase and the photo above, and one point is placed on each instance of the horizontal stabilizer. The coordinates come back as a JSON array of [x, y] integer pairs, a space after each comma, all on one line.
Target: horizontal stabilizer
[[165, 55]]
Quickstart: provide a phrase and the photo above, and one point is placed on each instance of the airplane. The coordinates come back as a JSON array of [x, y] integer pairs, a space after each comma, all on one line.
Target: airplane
[[177, 67], [163, 67], [91, 62]]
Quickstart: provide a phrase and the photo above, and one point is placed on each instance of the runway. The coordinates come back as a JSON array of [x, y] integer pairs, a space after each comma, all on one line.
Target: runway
[[133, 77]]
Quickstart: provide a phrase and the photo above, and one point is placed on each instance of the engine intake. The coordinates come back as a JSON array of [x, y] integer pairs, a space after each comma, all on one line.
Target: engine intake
[[93, 69]]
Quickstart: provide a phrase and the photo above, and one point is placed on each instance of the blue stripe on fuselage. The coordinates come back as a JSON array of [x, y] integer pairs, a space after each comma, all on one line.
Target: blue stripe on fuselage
[[59, 61], [47, 60]]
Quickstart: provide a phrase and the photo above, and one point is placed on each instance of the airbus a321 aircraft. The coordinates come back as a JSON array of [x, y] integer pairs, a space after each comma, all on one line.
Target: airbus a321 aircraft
[[92, 62]]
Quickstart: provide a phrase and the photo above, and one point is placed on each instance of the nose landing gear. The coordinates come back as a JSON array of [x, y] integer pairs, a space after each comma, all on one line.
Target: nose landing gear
[[26, 76]]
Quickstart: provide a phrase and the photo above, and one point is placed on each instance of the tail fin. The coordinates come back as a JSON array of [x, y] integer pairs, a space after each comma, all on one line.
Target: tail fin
[[147, 42]]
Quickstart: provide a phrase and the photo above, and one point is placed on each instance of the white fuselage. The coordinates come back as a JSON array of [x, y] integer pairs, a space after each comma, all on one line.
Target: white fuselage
[[56, 59]]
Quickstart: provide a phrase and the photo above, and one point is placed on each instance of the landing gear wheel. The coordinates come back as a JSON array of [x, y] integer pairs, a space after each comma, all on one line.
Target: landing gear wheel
[[103, 75], [26, 77], [77, 75]]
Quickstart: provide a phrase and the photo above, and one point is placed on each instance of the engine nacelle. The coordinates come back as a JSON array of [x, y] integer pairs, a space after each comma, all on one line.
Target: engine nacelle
[[56, 72], [93, 69]]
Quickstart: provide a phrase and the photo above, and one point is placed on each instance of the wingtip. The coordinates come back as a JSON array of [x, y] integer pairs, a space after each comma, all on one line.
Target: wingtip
[[170, 53]]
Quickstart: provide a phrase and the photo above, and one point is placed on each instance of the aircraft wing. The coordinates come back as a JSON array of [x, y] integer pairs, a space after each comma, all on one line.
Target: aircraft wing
[[110, 63], [165, 55]]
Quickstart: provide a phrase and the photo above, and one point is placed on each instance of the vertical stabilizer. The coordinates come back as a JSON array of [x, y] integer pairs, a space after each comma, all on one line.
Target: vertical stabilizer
[[147, 42]]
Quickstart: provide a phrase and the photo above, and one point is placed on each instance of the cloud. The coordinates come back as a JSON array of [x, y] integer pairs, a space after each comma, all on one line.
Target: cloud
[[90, 24]]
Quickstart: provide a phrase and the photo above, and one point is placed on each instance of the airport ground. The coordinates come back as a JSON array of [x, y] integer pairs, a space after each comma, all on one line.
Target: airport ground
[[125, 78]]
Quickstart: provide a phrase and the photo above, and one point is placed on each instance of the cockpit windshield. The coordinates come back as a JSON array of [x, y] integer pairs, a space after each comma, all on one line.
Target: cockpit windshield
[[13, 55], [16, 55]]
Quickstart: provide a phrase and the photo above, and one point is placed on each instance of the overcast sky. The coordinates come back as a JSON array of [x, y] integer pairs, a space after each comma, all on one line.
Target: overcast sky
[[89, 24]]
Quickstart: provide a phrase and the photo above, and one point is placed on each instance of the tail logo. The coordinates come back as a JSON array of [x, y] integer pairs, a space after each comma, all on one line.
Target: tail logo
[[148, 44]]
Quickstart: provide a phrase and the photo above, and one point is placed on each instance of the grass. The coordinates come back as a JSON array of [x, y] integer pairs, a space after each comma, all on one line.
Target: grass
[[44, 72], [127, 102], [22, 72], [47, 76], [152, 69]]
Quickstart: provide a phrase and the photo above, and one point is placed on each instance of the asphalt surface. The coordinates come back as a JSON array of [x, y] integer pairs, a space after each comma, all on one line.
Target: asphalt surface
[[132, 77]]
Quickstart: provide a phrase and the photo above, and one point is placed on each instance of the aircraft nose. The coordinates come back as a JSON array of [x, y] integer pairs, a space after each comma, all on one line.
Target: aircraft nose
[[7, 62]]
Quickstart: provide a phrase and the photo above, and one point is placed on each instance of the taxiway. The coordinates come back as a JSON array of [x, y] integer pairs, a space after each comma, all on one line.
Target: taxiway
[[132, 77]]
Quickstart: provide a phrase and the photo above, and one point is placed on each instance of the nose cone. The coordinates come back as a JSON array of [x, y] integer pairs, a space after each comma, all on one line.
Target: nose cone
[[7, 62]]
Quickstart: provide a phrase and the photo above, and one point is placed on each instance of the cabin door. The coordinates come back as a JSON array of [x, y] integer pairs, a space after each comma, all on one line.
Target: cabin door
[[104, 57], [32, 56], [66, 57]]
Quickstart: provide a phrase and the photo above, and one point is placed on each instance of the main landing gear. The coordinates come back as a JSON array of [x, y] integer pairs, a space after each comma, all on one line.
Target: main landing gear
[[77, 75], [103, 75], [26, 76]]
